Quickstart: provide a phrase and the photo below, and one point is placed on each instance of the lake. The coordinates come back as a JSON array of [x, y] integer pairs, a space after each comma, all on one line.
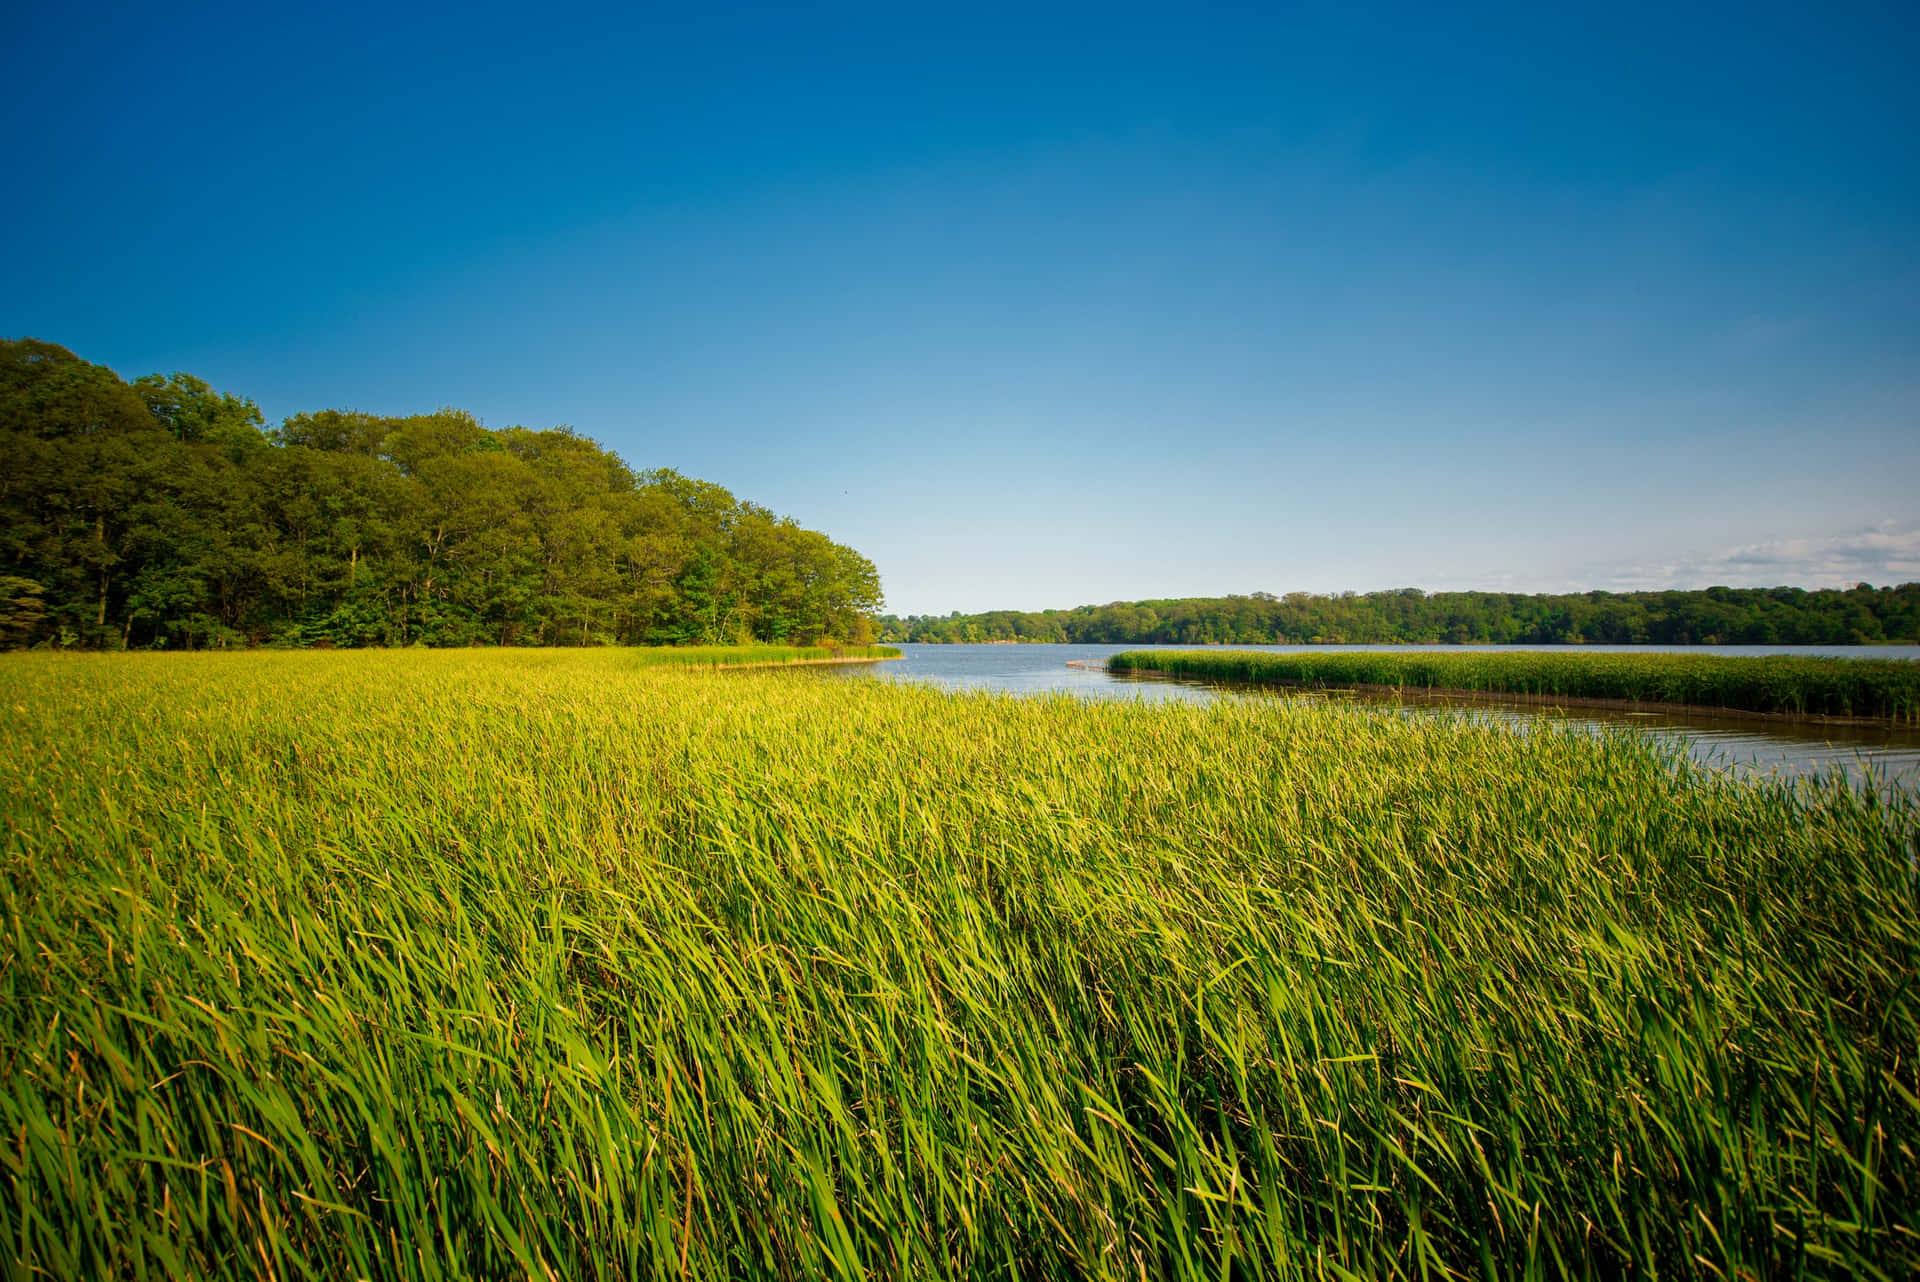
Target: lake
[[1736, 743]]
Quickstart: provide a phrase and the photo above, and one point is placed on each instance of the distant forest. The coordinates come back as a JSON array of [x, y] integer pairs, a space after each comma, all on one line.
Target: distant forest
[[163, 514], [1859, 615]]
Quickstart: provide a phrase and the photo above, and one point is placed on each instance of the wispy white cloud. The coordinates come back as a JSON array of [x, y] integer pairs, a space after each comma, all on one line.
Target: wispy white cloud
[[1886, 553]]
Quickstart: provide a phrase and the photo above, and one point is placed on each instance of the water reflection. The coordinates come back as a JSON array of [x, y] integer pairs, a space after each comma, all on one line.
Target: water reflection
[[1891, 754]]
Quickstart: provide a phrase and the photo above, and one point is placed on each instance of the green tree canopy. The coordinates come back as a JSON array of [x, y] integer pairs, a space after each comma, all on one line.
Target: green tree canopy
[[1714, 616], [164, 513]]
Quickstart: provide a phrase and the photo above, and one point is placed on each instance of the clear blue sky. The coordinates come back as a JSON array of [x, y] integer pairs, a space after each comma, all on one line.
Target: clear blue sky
[[1047, 305]]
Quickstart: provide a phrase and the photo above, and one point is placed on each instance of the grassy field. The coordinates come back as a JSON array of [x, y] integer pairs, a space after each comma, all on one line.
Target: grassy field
[[550, 963], [1882, 689]]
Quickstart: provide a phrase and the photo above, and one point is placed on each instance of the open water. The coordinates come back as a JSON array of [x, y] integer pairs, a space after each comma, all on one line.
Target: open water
[[1886, 754]]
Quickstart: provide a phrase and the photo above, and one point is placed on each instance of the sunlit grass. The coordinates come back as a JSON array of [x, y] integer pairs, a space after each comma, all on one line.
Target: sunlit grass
[[549, 963], [738, 656], [1801, 685]]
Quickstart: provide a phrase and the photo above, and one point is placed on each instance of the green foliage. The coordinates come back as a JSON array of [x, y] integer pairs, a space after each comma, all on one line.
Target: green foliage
[[1792, 684], [193, 411], [21, 610], [1859, 615], [548, 963], [161, 514]]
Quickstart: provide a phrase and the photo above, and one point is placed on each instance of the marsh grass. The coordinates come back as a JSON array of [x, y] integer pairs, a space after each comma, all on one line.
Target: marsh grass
[[1794, 685], [749, 656], [550, 964]]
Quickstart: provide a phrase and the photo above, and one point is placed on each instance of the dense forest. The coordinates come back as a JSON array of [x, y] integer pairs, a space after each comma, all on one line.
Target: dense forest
[[161, 513], [1716, 616]]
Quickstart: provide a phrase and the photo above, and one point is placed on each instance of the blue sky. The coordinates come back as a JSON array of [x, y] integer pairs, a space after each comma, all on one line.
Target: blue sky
[[1046, 305]]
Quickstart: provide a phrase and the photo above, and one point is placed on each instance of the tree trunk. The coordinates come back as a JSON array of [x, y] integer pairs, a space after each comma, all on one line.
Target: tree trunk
[[100, 537]]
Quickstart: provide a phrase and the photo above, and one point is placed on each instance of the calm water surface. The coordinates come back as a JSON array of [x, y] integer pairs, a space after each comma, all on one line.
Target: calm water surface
[[1766, 747]]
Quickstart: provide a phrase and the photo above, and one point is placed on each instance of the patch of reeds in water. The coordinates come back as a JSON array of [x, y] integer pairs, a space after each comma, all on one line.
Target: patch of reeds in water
[[545, 964], [1792, 685]]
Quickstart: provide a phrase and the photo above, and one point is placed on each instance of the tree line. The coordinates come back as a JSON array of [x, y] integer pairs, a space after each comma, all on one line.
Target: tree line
[[1860, 615], [164, 514]]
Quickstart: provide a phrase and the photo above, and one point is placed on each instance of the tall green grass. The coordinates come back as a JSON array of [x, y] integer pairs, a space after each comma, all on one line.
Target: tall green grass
[[750, 656], [546, 964], [1791, 684]]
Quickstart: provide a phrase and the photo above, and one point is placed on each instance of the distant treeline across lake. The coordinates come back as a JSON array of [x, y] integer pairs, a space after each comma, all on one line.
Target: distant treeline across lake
[[1860, 615]]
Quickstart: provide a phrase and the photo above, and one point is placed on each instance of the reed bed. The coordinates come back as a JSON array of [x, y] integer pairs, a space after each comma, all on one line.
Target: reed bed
[[1793, 685], [750, 656], [548, 964]]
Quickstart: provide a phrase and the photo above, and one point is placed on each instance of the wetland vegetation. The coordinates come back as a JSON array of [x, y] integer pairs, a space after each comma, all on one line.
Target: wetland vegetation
[[1788, 685], [563, 963], [753, 656]]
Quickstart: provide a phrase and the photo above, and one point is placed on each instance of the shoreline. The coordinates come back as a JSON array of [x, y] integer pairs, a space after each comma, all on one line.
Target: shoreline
[[1450, 694], [788, 663]]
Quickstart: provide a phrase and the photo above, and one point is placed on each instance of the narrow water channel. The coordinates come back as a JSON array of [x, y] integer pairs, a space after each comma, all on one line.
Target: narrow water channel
[[1890, 755]]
